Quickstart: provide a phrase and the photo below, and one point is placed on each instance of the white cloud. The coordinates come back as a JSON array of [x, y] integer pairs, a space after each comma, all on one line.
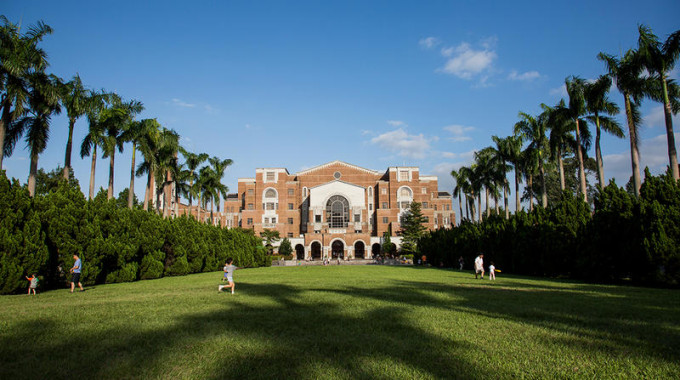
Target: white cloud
[[656, 118], [559, 91], [396, 123], [405, 145], [459, 132], [653, 154], [466, 62], [365, 132], [429, 42], [526, 76], [181, 103]]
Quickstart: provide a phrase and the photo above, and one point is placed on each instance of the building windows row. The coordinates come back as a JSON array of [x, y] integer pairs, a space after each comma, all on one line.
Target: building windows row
[[290, 206]]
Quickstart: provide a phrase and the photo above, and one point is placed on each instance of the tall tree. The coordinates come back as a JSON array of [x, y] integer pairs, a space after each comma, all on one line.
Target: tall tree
[[659, 60], [148, 145], [626, 72], [458, 189], [76, 99], [533, 130], [561, 139], [193, 161], [577, 108], [136, 133], [44, 102], [504, 148], [600, 108], [167, 159], [219, 166], [95, 136], [412, 227], [20, 58]]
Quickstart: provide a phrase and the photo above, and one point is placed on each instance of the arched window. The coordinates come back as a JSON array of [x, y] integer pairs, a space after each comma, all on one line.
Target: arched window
[[304, 192], [270, 193], [405, 192], [404, 197], [337, 212], [370, 191]]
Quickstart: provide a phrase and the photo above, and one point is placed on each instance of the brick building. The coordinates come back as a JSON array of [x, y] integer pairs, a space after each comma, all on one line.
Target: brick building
[[335, 209]]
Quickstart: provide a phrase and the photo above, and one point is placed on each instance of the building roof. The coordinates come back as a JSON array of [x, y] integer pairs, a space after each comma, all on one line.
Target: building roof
[[232, 196], [443, 194], [322, 166]]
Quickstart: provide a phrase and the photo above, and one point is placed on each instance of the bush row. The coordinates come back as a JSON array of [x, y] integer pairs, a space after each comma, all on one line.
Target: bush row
[[41, 235], [623, 238]]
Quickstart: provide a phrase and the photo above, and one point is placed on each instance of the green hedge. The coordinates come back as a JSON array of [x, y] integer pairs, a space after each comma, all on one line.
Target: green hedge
[[624, 238], [41, 235]]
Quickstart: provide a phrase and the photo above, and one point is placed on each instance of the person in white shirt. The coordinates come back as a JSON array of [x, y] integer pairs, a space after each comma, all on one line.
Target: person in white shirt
[[492, 272], [479, 265]]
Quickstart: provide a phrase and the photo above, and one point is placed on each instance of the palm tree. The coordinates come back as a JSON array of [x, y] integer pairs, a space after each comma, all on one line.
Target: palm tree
[[529, 165], [599, 106], [576, 109], [659, 61], [148, 145], [561, 139], [43, 101], [506, 156], [76, 100], [167, 161], [533, 129], [458, 189], [466, 174], [95, 135], [206, 188], [181, 176], [115, 121], [626, 72], [20, 57], [219, 166], [193, 161], [135, 133]]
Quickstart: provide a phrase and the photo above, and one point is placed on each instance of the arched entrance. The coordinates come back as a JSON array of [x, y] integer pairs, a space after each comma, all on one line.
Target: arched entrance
[[375, 249], [316, 251], [338, 249], [359, 250], [300, 252]]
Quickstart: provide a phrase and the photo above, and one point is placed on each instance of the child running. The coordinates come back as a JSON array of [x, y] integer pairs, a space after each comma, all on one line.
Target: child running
[[34, 283], [229, 275], [492, 272]]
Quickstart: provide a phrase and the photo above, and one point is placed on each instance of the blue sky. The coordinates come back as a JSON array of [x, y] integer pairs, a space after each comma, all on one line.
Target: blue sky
[[373, 83]]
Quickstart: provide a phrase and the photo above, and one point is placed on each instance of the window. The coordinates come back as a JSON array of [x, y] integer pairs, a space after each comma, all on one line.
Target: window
[[424, 204], [426, 219], [317, 218], [251, 191], [385, 219], [403, 175], [290, 220], [270, 193], [405, 205], [435, 207], [250, 221], [250, 206], [383, 191], [337, 211], [370, 191], [357, 218], [384, 205], [337, 175], [304, 192], [271, 177], [273, 220], [266, 220], [290, 206], [405, 192], [270, 206], [448, 207], [370, 206], [424, 190], [291, 192], [290, 234]]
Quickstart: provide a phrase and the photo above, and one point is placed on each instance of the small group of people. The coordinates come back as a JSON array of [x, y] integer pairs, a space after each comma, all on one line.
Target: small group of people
[[75, 277], [479, 267]]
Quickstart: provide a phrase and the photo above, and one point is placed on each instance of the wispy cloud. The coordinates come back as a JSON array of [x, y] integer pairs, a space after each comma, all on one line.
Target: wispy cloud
[[526, 76], [396, 123], [656, 118], [653, 154], [365, 132], [559, 91], [181, 103], [429, 42], [403, 144], [459, 132], [466, 62]]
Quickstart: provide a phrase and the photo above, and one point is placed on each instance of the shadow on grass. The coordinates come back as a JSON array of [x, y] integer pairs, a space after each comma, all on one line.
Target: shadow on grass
[[292, 337]]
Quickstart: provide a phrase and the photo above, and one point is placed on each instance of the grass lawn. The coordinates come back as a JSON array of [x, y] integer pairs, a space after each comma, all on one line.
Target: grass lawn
[[343, 322]]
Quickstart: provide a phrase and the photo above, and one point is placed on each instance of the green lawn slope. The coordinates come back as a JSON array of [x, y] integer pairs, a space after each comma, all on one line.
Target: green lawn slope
[[343, 322]]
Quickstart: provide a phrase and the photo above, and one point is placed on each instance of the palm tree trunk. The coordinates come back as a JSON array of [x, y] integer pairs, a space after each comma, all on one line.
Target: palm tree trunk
[[634, 152], [488, 209], [33, 171], [93, 166], [109, 194], [598, 153], [561, 164], [69, 146], [495, 202], [198, 209], [479, 209], [4, 123], [518, 203], [176, 202], [544, 194], [467, 208], [167, 195], [581, 168], [530, 184], [212, 208], [147, 192], [461, 208], [505, 199], [672, 154], [131, 189]]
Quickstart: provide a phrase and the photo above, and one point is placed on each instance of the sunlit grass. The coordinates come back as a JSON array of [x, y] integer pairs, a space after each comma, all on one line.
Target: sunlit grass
[[343, 322]]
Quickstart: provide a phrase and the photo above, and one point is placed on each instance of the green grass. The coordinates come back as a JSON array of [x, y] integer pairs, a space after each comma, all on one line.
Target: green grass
[[343, 322]]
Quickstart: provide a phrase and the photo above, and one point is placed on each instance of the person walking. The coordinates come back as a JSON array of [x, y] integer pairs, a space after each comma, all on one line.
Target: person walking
[[461, 262], [479, 265], [75, 273]]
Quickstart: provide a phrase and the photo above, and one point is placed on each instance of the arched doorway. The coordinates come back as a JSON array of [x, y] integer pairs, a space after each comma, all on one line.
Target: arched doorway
[[375, 249], [359, 250], [337, 212], [316, 251], [300, 252], [338, 249]]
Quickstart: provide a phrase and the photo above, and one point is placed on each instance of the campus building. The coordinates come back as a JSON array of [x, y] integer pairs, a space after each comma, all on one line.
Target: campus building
[[335, 210]]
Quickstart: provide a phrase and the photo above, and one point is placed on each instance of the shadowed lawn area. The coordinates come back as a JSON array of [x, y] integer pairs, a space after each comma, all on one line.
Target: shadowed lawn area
[[343, 322]]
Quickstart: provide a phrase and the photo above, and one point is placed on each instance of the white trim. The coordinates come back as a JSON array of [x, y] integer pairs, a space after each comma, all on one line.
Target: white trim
[[337, 162]]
